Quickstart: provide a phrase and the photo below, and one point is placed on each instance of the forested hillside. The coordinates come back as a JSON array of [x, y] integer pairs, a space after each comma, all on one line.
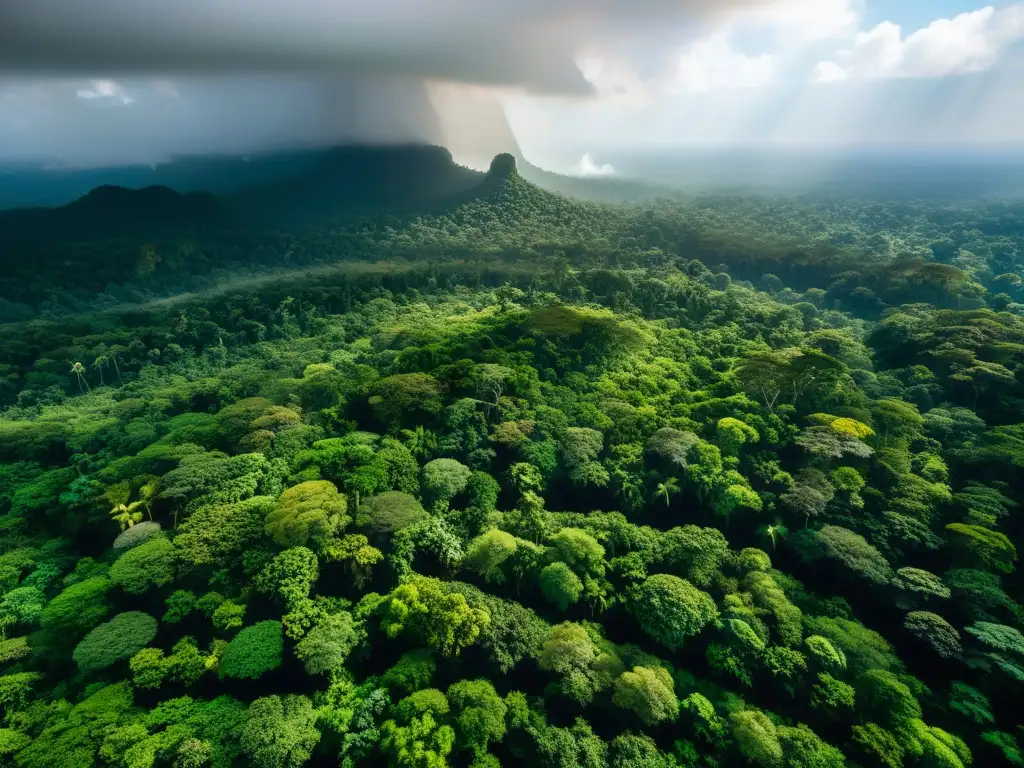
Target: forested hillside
[[503, 478], [116, 246]]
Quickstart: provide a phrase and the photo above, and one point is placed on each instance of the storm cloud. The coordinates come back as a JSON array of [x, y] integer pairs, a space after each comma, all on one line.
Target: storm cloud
[[526, 43], [140, 80], [140, 120]]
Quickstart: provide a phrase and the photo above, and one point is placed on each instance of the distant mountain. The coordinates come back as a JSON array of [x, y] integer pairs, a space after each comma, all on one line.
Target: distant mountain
[[287, 190], [600, 189], [359, 174], [114, 235], [28, 184], [111, 211], [358, 179]]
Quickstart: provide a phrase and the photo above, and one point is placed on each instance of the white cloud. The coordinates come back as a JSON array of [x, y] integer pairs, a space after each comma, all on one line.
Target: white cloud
[[829, 72], [807, 20], [696, 88], [587, 167], [712, 64], [750, 47], [104, 89], [970, 42]]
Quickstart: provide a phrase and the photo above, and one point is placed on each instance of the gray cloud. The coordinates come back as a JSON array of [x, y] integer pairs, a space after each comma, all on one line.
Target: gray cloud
[[252, 74], [530, 43], [141, 120]]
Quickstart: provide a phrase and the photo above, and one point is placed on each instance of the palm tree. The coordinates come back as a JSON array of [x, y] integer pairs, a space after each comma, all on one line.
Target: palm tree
[[79, 370], [98, 364], [126, 515], [136, 508], [667, 489], [771, 531], [112, 355], [146, 494]]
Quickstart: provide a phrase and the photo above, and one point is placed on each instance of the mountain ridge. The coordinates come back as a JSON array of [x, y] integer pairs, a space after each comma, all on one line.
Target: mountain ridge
[[356, 203], [338, 184], [33, 186], [345, 180]]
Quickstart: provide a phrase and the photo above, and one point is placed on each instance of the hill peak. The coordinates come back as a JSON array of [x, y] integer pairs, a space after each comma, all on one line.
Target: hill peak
[[503, 166]]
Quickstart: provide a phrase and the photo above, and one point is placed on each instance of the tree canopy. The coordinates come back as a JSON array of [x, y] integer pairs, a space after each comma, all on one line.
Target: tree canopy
[[496, 476]]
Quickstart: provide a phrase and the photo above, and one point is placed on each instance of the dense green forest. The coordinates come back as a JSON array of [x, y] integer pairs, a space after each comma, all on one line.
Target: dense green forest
[[488, 476]]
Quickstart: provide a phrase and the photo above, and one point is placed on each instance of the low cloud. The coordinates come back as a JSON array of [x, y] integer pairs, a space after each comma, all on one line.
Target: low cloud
[[587, 167], [105, 89]]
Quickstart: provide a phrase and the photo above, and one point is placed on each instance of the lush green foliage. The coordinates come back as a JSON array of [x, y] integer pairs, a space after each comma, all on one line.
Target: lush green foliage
[[721, 483], [115, 641], [150, 564], [670, 609], [254, 651]]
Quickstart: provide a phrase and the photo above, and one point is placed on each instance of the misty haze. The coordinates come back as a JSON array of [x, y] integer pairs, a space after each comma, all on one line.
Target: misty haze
[[568, 384]]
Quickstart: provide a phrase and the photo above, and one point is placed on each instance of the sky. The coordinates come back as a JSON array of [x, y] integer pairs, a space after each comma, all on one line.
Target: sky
[[567, 83]]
